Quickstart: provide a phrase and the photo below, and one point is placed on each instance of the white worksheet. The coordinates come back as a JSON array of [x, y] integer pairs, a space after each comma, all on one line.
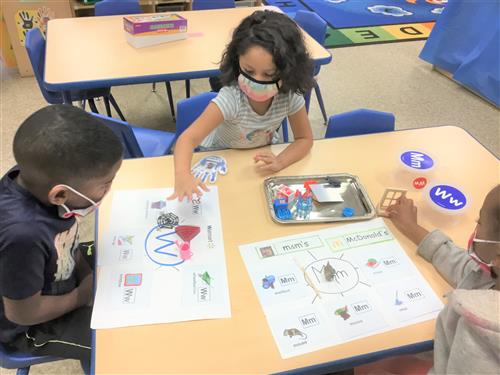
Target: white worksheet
[[143, 278], [324, 288]]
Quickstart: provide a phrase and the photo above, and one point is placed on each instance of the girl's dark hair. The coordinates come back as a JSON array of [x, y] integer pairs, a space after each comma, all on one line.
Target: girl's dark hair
[[281, 37]]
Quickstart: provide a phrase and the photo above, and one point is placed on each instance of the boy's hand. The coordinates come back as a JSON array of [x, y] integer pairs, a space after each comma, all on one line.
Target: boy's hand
[[186, 185], [404, 216], [270, 162], [86, 291]]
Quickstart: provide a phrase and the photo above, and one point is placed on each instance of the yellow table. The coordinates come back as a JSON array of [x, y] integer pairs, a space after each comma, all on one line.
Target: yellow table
[[91, 52], [244, 344]]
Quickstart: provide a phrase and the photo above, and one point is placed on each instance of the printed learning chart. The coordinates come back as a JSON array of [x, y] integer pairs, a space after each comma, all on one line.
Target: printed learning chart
[[161, 261], [324, 288]]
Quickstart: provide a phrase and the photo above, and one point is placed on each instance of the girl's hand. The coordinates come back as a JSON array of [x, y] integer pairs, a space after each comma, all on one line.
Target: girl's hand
[[270, 162], [185, 186], [404, 216]]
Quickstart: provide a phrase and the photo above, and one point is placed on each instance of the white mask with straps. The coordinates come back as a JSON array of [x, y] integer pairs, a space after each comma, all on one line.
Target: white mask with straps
[[66, 213]]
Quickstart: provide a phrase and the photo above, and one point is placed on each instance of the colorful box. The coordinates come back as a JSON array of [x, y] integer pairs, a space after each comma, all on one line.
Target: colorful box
[[148, 30], [155, 23]]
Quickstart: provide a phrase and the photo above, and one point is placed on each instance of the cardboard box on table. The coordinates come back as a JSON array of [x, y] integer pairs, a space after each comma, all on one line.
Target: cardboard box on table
[[148, 30]]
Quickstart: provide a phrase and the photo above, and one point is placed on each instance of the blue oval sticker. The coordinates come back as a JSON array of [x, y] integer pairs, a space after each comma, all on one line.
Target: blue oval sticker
[[417, 160], [448, 197]]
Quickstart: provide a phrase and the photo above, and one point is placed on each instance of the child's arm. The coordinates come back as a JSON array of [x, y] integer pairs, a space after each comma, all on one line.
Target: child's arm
[[39, 308], [82, 267], [185, 183], [451, 262], [302, 133], [404, 216]]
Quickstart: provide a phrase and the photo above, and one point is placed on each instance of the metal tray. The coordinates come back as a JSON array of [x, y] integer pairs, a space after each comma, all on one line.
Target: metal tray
[[350, 190]]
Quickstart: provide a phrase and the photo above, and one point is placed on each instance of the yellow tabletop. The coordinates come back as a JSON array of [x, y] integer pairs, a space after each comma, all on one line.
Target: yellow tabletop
[[89, 52], [244, 344]]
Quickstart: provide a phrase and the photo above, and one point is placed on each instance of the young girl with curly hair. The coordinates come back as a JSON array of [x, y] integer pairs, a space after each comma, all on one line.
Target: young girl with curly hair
[[265, 71]]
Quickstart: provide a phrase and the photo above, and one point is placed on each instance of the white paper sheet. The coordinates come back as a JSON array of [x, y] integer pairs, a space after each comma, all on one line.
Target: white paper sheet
[[326, 193], [141, 276], [374, 286]]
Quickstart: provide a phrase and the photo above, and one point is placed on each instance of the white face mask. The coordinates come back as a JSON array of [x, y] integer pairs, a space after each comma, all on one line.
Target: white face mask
[[485, 267], [66, 213]]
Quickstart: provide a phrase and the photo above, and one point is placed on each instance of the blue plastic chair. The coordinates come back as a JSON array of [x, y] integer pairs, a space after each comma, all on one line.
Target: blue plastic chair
[[117, 7], [212, 4], [188, 110], [35, 46], [22, 361], [140, 142], [359, 121], [316, 27]]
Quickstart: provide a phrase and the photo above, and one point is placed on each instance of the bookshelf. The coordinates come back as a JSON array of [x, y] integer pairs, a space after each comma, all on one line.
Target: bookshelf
[[80, 9]]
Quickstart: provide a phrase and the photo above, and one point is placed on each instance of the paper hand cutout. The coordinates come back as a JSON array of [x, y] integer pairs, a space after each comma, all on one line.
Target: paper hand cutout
[[207, 168]]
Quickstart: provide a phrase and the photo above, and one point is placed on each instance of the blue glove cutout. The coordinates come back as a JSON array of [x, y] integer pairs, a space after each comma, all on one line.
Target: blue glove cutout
[[207, 168]]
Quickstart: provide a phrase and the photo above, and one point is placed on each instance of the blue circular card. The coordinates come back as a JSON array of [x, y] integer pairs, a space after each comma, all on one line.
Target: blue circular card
[[417, 160], [448, 197]]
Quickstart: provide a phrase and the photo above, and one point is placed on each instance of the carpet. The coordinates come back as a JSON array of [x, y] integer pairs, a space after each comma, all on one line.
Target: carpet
[[354, 22]]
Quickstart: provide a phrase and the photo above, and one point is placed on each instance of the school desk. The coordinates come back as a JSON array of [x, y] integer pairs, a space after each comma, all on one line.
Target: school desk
[[244, 344], [91, 52]]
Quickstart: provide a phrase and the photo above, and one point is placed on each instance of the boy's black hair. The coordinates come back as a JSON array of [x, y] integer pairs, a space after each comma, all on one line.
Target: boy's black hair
[[281, 37], [64, 144]]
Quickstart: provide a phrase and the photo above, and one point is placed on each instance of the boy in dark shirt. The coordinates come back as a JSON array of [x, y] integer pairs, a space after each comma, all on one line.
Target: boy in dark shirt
[[66, 161]]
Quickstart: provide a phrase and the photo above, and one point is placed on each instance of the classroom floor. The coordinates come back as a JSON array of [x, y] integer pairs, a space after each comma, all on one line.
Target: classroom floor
[[386, 77]]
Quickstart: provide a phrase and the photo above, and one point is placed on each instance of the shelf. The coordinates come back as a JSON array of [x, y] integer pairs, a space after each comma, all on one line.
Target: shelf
[[80, 9]]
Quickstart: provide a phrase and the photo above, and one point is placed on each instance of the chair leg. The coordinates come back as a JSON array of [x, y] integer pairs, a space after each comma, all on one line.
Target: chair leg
[[115, 106], [170, 98], [153, 89], [23, 371], [188, 88], [284, 130], [307, 99], [92, 106], [320, 101], [108, 108]]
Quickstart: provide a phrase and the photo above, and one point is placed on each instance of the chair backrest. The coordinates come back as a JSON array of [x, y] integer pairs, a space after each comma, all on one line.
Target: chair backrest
[[35, 46], [312, 24], [188, 110], [22, 361], [359, 121], [117, 7], [123, 131], [137, 141], [212, 4]]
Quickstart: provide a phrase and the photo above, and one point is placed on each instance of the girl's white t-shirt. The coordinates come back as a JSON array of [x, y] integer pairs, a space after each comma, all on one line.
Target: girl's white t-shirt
[[242, 127]]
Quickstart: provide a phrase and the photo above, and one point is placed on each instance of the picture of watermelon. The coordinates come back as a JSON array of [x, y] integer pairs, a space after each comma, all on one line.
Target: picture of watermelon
[[372, 263]]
